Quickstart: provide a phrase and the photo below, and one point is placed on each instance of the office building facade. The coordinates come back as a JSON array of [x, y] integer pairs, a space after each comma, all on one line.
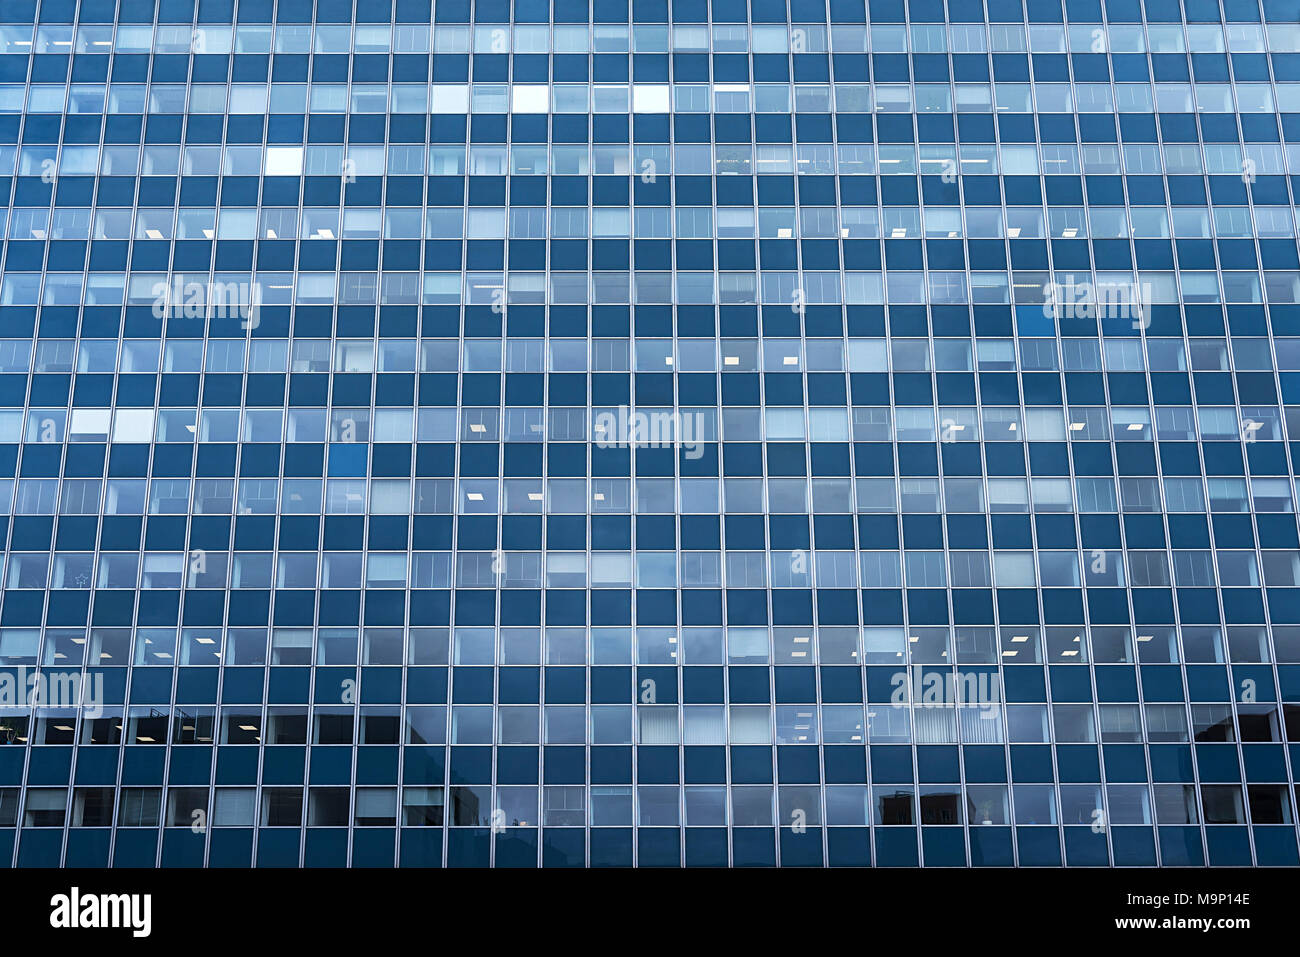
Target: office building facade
[[652, 433]]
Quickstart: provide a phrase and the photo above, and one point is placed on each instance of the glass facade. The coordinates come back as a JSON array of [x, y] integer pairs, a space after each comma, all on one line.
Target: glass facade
[[658, 433]]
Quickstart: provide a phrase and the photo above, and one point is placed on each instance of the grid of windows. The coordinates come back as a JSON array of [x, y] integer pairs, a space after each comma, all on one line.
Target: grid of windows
[[570, 433]]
